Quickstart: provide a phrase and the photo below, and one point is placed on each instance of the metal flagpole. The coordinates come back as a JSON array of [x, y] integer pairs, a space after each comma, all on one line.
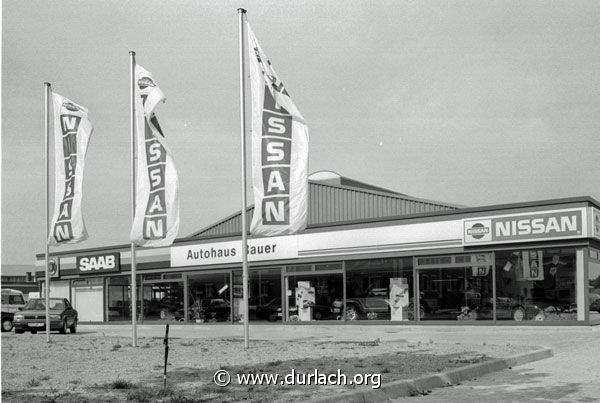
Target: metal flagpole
[[242, 14], [133, 163], [47, 278]]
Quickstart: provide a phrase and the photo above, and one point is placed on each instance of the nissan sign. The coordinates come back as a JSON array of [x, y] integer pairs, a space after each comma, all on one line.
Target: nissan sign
[[98, 264], [524, 227]]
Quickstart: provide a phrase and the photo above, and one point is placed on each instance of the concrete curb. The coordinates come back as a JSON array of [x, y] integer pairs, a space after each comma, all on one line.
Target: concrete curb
[[410, 387]]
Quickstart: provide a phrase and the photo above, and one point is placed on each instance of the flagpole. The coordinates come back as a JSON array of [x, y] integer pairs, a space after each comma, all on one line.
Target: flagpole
[[47, 197], [133, 163], [241, 14]]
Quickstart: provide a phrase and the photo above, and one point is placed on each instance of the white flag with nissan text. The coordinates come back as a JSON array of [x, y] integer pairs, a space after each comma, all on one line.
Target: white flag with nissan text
[[156, 221], [279, 151], [72, 131]]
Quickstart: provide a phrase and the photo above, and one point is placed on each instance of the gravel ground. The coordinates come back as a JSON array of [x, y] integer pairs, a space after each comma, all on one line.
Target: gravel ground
[[83, 367]]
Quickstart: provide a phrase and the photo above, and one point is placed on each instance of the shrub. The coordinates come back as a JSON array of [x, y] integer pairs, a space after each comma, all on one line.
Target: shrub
[[121, 384], [33, 382]]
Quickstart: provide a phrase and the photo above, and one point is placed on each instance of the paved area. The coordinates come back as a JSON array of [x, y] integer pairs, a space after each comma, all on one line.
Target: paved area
[[572, 375]]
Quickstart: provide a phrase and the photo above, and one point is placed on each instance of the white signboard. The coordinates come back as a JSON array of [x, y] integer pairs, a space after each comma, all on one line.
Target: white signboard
[[545, 225], [272, 248]]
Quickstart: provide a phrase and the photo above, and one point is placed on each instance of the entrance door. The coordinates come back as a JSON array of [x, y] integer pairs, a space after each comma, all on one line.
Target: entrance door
[[88, 303], [313, 296]]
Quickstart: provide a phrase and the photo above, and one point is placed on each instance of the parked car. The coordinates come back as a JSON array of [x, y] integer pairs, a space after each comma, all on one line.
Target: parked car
[[33, 316], [7, 321], [12, 300]]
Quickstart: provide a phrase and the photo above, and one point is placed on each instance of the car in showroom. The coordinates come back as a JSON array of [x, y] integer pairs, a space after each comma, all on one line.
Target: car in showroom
[[272, 311], [33, 316], [595, 302]]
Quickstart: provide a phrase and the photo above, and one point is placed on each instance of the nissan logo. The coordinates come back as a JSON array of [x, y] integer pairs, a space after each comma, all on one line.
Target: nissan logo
[[478, 231]]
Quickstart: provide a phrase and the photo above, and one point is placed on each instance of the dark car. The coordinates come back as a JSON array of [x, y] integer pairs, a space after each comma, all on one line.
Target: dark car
[[371, 307], [269, 310], [216, 309], [7, 321], [33, 316], [594, 303], [272, 310]]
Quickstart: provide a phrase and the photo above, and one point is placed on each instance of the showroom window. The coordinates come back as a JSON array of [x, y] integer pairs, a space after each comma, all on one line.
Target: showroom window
[[379, 289], [536, 284]]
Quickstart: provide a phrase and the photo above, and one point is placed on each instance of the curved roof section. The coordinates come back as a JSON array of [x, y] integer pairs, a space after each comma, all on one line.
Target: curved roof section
[[334, 199]]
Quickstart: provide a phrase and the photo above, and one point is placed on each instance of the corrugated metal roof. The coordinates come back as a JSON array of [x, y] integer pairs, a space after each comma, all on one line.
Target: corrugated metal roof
[[341, 200]]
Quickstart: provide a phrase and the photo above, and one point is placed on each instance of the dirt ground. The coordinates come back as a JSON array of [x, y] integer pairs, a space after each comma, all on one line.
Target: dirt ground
[[95, 367]]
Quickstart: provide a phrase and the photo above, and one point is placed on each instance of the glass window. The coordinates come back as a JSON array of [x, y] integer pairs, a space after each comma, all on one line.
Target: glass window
[[536, 284], [379, 289], [313, 296], [594, 290], [264, 296], [456, 293], [210, 297], [16, 299], [306, 267]]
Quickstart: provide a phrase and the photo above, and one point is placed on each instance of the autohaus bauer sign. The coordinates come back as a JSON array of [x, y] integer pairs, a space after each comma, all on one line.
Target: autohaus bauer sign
[[524, 227], [271, 248]]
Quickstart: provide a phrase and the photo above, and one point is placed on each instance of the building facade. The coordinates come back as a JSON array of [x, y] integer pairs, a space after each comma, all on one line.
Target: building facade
[[368, 254]]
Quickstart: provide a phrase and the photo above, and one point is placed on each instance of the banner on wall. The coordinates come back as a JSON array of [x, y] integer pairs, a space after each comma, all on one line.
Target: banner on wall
[[156, 220], [72, 131], [533, 265], [279, 151]]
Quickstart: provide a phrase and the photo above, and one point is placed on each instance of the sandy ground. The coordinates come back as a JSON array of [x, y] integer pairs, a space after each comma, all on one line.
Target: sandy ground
[[86, 363]]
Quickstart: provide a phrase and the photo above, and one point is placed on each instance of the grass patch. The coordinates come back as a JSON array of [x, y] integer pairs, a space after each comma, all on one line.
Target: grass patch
[[121, 384], [33, 382], [140, 395]]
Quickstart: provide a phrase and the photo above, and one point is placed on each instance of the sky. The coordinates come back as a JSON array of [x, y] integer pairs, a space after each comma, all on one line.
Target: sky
[[467, 102]]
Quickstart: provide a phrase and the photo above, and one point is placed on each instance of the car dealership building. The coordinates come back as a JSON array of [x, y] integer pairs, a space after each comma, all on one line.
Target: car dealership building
[[368, 254]]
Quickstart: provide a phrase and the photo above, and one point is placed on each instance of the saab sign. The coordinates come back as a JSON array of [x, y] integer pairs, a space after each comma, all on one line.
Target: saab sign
[[525, 227], [98, 264]]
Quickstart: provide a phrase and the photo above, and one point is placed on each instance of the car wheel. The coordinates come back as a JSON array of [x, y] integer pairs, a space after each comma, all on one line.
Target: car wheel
[[19, 331], [518, 314], [317, 316], [351, 314], [372, 315], [410, 312], [34, 332], [163, 314], [273, 317], [63, 328], [73, 327], [7, 325]]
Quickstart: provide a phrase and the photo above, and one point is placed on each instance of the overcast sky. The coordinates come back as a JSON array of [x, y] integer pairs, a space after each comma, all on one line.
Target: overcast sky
[[468, 102]]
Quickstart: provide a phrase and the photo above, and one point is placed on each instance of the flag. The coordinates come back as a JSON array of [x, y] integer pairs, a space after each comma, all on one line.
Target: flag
[[72, 131], [279, 151], [156, 220]]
